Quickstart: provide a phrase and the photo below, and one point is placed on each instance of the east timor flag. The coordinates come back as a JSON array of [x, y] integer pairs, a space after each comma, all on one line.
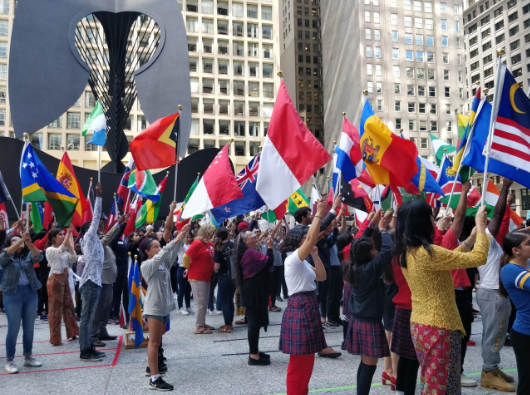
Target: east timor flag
[[156, 146], [66, 176], [389, 159]]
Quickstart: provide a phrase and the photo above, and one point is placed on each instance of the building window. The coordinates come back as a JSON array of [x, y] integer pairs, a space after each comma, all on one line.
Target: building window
[[377, 35], [420, 56], [267, 51], [223, 87], [421, 90], [368, 34], [412, 127], [224, 127], [4, 7], [513, 31], [398, 123], [423, 141], [193, 64], [516, 59], [266, 31], [207, 85], [446, 75], [376, 17], [192, 24], [3, 50], [433, 109], [73, 120], [239, 128], [252, 11], [419, 39], [266, 13], [430, 57], [193, 146], [369, 70], [397, 105], [394, 20], [379, 105], [4, 28], [395, 71], [429, 24], [411, 107], [410, 72], [378, 70], [55, 124], [445, 41], [420, 74], [268, 90], [73, 142], [430, 41], [55, 141], [239, 88], [397, 88], [408, 21], [367, 16], [432, 91], [207, 65], [499, 39], [378, 88], [411, 90], [430, 75], [237, 10], [512, 17], [421, 108], [267, 70], [409, 56], [418, 23], [395, 53]]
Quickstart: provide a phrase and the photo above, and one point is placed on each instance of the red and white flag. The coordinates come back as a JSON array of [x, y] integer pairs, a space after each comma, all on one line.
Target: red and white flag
[[290, 155], [218, 186], [3, 213]]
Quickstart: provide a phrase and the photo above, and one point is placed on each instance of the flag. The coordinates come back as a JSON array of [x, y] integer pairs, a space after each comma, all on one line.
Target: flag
[[36, 214], [3, 213], [336, 173], [123, 322], [438, 147], [113, 216], [48, 215], [360, 217], [66, 176], [156, 146], [150, 210], [349, 158], [315, 197], [129, 226], [465, 171], [96, 123], [87, 214], [297, 200], [510, 143], [123, 188], [178, 212], [251, 200], [463, 121], [217, 186], [423, 180], [39, 185], [354, 195], [276, 214], [135, 310], [515, 220], [4, 193], [331, 189], [446, 180], [291, 153], [143, 183], [389, 159]]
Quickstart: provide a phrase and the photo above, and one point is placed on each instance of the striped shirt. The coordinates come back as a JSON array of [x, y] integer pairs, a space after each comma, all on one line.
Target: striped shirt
[[516, 280]]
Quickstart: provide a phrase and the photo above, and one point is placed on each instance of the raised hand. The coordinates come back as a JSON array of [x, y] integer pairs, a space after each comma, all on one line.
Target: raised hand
[[481, 219]]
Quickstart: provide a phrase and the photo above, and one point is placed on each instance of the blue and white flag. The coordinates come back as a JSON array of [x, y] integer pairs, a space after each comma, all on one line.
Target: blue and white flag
[[97, 124]]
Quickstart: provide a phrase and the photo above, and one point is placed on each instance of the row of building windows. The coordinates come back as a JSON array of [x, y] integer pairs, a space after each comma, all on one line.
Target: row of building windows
[[417, 22], [238, 68], [238, 28], [239, 108], [422, 125], [417, 39], [238, 48], [497, 12], [416, 5], [238, 9]]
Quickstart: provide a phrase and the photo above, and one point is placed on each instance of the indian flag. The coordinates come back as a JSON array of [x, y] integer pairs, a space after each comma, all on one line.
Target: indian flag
[[97, 124], [491, 198], [438, 147], [515, 220]]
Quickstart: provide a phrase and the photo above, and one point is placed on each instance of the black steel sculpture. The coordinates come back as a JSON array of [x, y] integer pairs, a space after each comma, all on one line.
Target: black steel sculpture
[[143, 52]]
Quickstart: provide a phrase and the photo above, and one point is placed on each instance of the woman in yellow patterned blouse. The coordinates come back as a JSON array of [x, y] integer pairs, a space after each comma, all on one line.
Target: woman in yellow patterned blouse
[[435, 324]]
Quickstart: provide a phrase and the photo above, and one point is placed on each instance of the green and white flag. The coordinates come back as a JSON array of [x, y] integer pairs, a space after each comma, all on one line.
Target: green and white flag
[[97, 124], [143, 184], [438, 147]]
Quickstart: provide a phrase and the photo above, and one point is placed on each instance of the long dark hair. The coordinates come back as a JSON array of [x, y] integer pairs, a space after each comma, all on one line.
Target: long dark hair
[[510, 241], [222, 235], [292, 240], [239, 249], [8, 241], [414, 228], [360, 254], [343, 240], [53, 233]]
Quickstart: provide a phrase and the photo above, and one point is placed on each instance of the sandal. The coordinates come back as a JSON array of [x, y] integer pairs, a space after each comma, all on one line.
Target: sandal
[[209, 327], [202, 331], [226, 329], [242, 321]]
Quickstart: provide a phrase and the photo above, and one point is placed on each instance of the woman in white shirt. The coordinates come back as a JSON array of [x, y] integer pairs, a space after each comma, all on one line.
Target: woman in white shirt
[[60, 254], [301, 334]]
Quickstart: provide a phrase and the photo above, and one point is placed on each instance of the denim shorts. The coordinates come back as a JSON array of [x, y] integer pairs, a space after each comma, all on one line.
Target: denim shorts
[[163, 318]]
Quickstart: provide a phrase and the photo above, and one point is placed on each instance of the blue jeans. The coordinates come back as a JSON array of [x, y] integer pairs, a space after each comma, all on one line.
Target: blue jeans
[[184, 288], [90, 297], [20, 306], [226, 293]]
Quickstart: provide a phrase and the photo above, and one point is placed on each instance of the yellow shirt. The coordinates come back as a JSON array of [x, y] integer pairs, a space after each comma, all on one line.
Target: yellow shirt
[[431, 284]]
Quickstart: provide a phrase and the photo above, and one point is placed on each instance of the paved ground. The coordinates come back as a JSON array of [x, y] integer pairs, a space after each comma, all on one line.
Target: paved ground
[[198, 365]]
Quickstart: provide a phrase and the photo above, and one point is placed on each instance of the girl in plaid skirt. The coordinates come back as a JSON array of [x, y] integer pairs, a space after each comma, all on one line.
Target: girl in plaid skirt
[[366, 335], [301, 334]]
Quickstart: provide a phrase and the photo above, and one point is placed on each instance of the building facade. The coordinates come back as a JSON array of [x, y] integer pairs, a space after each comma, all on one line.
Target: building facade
[[234, 57]]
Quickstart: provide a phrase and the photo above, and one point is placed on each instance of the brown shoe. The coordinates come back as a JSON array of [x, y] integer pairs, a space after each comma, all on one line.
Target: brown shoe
[[506, 377], [275, 309], [490, 380]]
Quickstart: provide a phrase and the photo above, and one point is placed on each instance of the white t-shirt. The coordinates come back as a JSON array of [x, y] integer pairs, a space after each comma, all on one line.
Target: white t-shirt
[[489, 273], [299, 275]]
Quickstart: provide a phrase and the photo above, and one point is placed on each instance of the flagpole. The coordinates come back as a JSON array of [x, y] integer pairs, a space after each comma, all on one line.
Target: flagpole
[[12, 202], [316, 186], [27, 216], [176, 160], [127, 203], [26, 140], [88, 195], [499, 85], [99, 163]]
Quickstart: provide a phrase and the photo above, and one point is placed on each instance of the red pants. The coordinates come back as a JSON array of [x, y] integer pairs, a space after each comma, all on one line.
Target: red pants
[[299, 373]]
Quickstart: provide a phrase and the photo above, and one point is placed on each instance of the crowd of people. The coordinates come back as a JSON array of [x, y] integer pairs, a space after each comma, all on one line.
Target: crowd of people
[[404, 278]]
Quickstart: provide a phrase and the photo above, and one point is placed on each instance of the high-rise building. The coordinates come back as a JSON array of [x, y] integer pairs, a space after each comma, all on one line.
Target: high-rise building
[[408, 55], [234, 57], [301, 59]]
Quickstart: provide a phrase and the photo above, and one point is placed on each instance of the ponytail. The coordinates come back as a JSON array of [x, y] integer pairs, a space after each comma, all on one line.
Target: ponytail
[[510, 241], [505, 258]]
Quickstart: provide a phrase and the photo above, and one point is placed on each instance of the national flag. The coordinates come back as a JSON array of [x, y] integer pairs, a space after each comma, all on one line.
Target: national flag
[[97, 124], [446, 180], [178, 212], [360, 217], [150, 210], [366, 181], [39, 185], [423, 180], [515, 220], [297, 200], [330, 197], [87, 214], [251, 200], [4, 193], [66, 176], [438, 148], [36, 215], [133, 208], [135, 310], [463, 121], [354, 195], [143, 183], [217, 186], [349, 158], [123, 188], [123, 322], [398, 197], [510, 143], [291, 153], [139, 204], [315, 197], [277, 214], [335, 175], [156, 146], [3, 213], [389, 159], [113, 215], [48, 215], [465, 171]]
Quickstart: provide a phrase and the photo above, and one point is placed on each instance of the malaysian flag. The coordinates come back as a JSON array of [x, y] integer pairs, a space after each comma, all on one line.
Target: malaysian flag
[[510, 140], [113, 215]]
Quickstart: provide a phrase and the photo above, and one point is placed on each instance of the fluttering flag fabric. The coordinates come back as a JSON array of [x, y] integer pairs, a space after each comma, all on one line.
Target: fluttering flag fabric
[[3, 213], [291, 153], [389, 159], [87, 214], [463, 121], [156, 146], [178, 212], [135, 310], [438, 147], [423, 180], [446, 180], [251, 200], [349, 158], [217, 186], [48, 215], [113, 216], [39, 185], [354, 195], [66, 176], [360, 217], [129, 226], [515, 220], [123, 188], [150, 209], [315, 197], [143, 183], [4, 193], [297, 200], [97, 124], [510, 143], [36, 215]]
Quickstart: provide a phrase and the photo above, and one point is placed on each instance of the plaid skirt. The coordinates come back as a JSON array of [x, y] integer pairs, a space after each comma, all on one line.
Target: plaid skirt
[[367, 338], [402, 344], [302, 331]]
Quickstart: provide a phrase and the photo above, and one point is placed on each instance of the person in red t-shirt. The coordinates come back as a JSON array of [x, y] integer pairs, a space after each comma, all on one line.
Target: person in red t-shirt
[[198, 261]]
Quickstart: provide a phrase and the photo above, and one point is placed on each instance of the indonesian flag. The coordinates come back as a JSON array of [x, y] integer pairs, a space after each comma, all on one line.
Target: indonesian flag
[[290, 155], [218, 186]]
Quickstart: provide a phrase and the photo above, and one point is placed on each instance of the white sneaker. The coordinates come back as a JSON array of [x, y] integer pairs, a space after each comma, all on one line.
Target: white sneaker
[[11, 367], [183, 311], [32, 362], [467, 382], [190, 310], [215, 312]]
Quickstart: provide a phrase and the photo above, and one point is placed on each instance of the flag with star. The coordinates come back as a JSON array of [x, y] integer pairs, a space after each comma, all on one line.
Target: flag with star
[[297, 200], [354, 195], [39, 185]]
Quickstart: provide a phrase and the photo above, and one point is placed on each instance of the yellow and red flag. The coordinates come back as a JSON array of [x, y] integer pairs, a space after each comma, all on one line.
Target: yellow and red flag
[[66, 176]]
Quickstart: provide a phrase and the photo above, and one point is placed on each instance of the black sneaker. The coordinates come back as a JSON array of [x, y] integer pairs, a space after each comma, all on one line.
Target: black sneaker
[[161, 370], [263, 355], [98, 353], [161, 355], [160, 385], [88, 355], [259, 362]]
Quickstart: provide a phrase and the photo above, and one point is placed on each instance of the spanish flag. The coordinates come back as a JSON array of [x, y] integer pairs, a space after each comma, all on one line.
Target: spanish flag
[[156, 146], [66, 176], [389, 159]]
